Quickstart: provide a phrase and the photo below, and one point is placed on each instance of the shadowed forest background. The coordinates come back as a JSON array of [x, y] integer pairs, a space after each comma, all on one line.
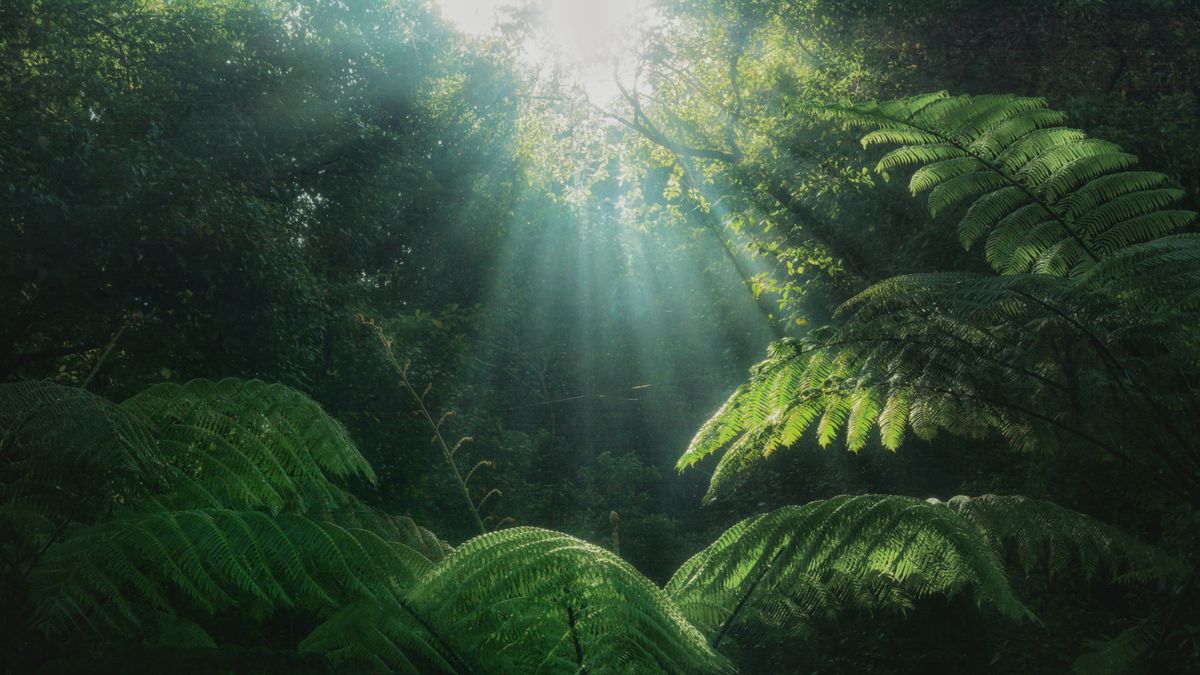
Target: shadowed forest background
[[336, 338]]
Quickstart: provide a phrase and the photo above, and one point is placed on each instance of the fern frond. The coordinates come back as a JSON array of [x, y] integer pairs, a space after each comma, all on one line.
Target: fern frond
[[931, 175], [110, 576], [883, 551], [819, 555], [1161, 276], [571, 606], [373, 636], [67, 455], [246, 444], [908, 155], [971, 354], [391, 528], [1122, 654], [1001, 154], [49, 432], [1045, 536]]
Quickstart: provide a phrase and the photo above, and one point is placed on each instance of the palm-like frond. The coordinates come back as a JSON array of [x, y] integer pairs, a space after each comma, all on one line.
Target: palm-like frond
[[1124, 654], [869, 550], [1106, 322], [1041, 196], [971, 353], [1042, 536], [246, 444], [176, 538], [398, 529], [570, 605], [882, 551], [1158, 278], [112, 575], [38, 415], [66, 455], [169, 554], [381, 637]]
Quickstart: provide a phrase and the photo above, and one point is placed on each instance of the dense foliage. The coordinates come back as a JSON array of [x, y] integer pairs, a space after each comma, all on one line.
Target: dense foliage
[[337, 340]]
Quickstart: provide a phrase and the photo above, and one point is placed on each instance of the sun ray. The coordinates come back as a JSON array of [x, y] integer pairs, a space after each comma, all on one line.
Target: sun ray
[[585, 40]]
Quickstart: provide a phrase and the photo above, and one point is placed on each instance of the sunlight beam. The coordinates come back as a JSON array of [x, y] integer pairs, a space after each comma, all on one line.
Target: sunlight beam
[[585, 38]]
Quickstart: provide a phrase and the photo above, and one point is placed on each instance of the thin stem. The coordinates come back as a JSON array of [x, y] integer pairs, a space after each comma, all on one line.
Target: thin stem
[[447, 454], [744, 599], [575, 638], [62, 524], [450, 651], [103, 357]]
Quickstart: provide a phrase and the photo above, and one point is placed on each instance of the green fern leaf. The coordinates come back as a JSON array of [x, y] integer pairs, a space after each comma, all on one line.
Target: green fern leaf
[[881, 552], [1000, 155], [245, 444], [570, 605]]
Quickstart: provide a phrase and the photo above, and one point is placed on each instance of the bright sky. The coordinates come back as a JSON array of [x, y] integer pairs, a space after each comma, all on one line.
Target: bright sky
[[584, 33]]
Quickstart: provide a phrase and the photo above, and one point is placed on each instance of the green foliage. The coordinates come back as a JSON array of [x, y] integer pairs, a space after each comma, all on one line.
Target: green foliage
[[206, 187], [1038, 535], [522, 600], [216, 538], [527, 599], [569, 605], [168, 478], [939, 351], [381, 637], [1097, 360], [796, 564], [64, 454], [105, 578], [230, 180], [250, 444], [1042, 197], [1124, 653]]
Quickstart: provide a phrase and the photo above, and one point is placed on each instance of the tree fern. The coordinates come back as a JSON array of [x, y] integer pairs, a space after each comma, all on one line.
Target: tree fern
[[227, 501], [570, 605], [245, 443], [521, 600], [234, 443], [65, 456], [398, 529], [970, 353], [38, 415], [382, 637], [1039, 535], [882, 552], [387, 595], [107, 578], [1124, 654], [187, 550], [1043, 197]]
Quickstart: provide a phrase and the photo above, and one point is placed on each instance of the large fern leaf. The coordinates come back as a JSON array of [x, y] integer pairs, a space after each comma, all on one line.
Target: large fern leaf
[[111, 576], [399, 529], [1124, 654], [382, 637], [66, 455], [564, 604], [975, 353], [247, 444], [882, 551], [871, 550], [1041, 196]]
